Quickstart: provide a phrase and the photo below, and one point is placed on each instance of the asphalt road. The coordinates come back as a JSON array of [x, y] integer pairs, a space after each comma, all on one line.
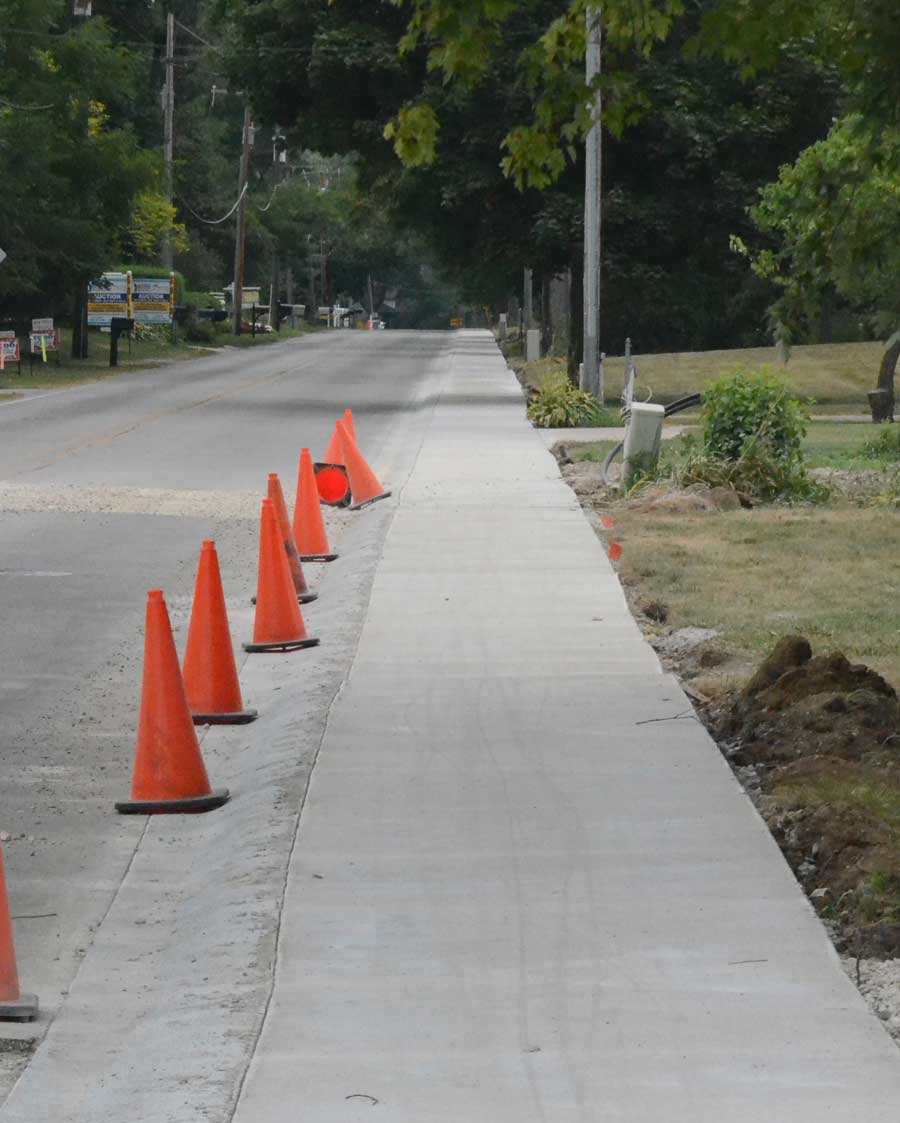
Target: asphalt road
[[106, 491]]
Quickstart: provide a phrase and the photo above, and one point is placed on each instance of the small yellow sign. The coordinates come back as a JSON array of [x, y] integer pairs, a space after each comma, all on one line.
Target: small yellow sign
[[457, 323]]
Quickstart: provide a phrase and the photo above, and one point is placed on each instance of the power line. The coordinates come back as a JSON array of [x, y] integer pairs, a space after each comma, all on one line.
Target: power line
[[215, 221], [25, 108], [199, 38], [272, 196]]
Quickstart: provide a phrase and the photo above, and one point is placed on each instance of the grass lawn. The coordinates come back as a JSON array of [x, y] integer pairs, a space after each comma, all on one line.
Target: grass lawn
[[829, 573], [828, 444], [833, 374]]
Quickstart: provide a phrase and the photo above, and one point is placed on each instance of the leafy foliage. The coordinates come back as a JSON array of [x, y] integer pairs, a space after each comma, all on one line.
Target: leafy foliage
[[152, 221], [752, 415], [756, 472], [833, 221], [557, 404], [886, 446]]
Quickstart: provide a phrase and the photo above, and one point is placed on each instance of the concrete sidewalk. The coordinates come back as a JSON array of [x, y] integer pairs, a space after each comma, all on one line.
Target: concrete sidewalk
[[526, 886]]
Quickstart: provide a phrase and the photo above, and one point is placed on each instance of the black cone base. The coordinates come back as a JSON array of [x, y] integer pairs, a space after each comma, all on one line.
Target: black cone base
[[190, 806], [318, 557], [239, 717], [369, 502], [287, 645], [21, 1009]]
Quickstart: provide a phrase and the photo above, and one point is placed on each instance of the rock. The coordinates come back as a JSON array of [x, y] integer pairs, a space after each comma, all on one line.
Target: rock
[[5, 836], [684, 640], [654, 610], [821, 895], [788, 653]]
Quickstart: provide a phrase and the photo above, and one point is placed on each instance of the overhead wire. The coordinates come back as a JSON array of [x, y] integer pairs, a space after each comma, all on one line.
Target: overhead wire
[[215, 221]]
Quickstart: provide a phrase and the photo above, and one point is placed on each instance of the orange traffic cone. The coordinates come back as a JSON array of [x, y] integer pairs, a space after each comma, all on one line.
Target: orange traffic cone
[[351, 425], [14, 1006], [334, 454], [309, 526], [210, 672], [331, 475], [169, 773], [364, 484], [279, 622], [276, 494], [332, 484]]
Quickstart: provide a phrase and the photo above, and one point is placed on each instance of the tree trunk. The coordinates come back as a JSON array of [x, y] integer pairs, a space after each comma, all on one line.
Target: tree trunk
[[826, 315], [546, 326], [576, 315], [881, 400], [79, 323]]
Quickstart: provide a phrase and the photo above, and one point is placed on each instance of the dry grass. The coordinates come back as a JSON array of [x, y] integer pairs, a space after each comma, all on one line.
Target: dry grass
[[831, 374], [828, 573]]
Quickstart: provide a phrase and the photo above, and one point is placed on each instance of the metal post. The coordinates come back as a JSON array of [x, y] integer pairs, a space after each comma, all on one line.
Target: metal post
[[169, 131], [528, 298], [591, 378], [241, 225]]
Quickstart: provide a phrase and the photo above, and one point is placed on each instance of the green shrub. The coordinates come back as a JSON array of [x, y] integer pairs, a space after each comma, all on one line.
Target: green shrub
[[201, 331], [752, 414], [755, 473], [886, 446], [557, 404]]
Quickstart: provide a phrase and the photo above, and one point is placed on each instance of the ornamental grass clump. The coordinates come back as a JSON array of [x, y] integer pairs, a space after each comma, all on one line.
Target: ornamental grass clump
[[557, 404]]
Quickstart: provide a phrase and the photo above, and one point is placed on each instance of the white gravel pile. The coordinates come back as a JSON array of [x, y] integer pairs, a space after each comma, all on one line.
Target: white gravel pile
[[879, 982], [117, 500]]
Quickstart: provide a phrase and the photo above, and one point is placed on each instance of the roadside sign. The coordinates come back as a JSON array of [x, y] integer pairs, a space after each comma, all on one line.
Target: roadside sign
[[2, 256], [43, 341], [43, 326], [9, 347], [153, 300], [457, 323], [111, 296]]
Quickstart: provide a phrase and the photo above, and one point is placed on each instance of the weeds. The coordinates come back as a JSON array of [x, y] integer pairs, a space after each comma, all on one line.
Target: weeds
[[884, 447], [557, 404]]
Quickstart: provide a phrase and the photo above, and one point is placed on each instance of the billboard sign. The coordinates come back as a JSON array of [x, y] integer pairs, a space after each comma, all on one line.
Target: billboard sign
[[153, 300], [110, 296]]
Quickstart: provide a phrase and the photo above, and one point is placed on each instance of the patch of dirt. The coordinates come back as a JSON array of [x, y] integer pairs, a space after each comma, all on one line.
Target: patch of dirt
[[856, 485], [815, 740], [698, 497], [585, 478]]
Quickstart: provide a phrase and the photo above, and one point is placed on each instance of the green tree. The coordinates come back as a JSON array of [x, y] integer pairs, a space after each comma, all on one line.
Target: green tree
[[72, 163], [832, 221]]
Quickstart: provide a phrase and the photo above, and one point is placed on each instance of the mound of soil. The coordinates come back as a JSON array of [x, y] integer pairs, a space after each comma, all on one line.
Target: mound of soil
[[697, 497], [816, 742]]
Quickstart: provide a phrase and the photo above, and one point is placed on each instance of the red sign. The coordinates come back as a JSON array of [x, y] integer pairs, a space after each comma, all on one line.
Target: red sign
[[9, 347], [50, 338]]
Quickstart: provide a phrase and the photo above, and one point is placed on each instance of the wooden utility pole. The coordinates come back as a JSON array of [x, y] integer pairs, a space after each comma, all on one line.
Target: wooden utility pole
[[279, 160], [241, 230], [591, 371], [169, 131]]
